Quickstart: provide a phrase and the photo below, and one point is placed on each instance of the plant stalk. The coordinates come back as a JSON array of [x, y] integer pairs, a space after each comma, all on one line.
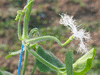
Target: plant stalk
[[43, 60], [19, 27], [25, 33], [25, 63], [33, 69], [26, 19], [43, 38]]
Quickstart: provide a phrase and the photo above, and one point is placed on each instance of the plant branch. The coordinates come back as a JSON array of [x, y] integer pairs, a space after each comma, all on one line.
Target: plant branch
[[43, 60], [33, 69], [19, 27], [26, 19], [43, 38], [25, 63]]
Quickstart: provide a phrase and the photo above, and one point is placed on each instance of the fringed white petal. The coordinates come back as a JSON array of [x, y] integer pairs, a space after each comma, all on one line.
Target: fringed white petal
[[78, 34]]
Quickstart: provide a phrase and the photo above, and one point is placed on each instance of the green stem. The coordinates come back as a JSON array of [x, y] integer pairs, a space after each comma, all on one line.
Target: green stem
[[25, 32], [26, 19], [19, 15], [34, 30], [33, 69], [43, 60], [19, 27], [38, 39], [25, 63]]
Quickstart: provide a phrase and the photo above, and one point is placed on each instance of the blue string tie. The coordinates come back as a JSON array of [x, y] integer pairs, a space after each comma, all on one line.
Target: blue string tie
[[27, 2], [20, 60]]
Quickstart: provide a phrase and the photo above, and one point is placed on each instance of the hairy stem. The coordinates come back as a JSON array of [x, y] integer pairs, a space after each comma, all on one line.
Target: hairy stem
[[33, 69], [43, 38], [42, 60], [25, 63], [25, 32], [19, 27], [26, 19]]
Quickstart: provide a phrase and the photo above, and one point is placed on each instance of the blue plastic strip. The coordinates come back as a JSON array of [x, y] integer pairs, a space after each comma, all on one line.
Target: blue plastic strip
[[20, 60], [27, 2]]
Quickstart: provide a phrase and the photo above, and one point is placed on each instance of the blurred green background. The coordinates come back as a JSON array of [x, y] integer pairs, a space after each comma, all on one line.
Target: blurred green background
[[45, 15]]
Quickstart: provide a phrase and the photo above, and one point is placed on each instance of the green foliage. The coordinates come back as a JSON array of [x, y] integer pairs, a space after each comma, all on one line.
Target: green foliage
[[83, 64], [91, 26], [8, 24], [5, 47], [69, 62], [1, 73], [4, 68], [13, 53], [78, 2], [5, 73], [80, 67], [48, 56]]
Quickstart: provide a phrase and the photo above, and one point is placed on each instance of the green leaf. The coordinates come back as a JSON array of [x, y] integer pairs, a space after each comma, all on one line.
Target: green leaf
[[5, 73], [83, 64], [33, 46], [1, 73], [69, 62], [48, 56], [13, 53]]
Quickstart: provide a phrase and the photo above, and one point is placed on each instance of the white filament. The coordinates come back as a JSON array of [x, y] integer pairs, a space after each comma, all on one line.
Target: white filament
[[79, 34]]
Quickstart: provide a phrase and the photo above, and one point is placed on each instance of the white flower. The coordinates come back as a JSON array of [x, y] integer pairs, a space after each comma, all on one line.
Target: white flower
[[78, 34]]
